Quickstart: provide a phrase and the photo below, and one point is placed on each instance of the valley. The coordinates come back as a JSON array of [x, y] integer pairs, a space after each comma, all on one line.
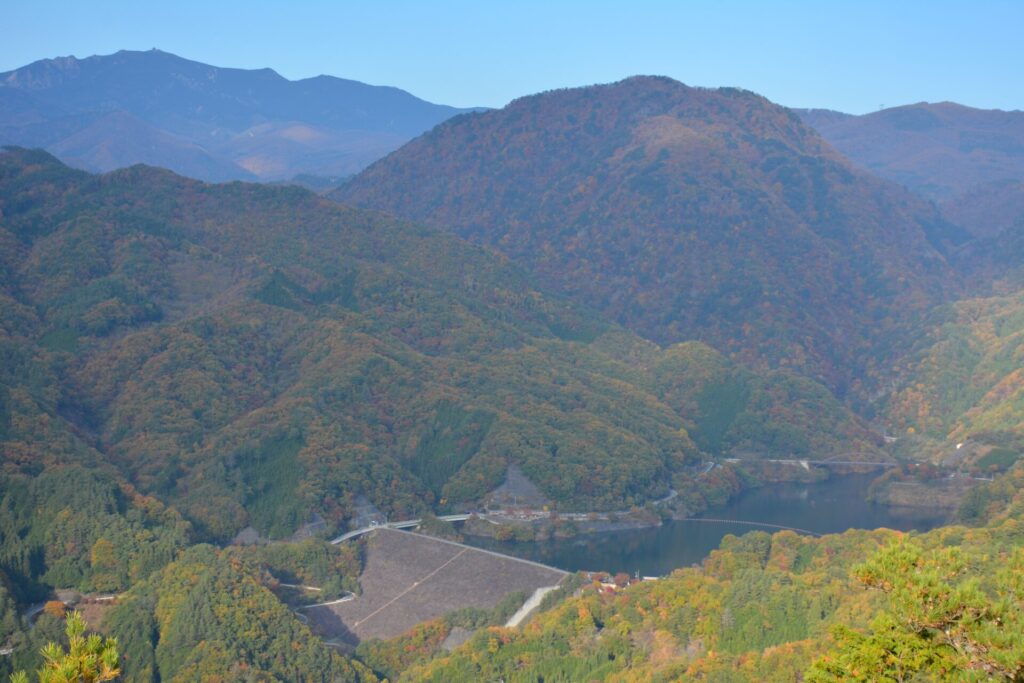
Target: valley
[[635, 381]]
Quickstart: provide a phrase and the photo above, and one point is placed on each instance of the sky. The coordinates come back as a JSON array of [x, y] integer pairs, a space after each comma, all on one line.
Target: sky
[[850, 55]]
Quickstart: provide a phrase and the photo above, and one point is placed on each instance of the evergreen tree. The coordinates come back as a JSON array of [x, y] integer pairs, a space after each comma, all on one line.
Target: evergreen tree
[[88, 659]]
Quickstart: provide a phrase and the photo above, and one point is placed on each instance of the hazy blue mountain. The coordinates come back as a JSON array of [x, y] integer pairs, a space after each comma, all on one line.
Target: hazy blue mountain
[[938, 150], [212, 123]]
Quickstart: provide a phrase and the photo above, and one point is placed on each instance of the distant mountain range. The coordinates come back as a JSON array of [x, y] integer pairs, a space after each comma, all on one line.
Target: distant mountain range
[[969, 161], [684, 213], [938, 150], [215, 124]]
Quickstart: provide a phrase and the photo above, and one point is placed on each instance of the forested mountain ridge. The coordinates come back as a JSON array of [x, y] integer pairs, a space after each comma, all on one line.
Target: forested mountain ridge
[[212, 615], [111, 111], [684, 213], [939, 150], [253, 355]]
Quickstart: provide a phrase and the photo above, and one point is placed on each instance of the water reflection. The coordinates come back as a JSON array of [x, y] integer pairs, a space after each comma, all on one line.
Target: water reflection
[[828, 507]]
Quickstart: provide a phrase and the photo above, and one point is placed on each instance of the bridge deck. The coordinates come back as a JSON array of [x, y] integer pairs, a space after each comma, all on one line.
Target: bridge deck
[[802, 461], [406, 524]]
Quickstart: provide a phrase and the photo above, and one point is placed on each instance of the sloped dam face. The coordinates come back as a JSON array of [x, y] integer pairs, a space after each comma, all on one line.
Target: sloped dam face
[[410, 578]]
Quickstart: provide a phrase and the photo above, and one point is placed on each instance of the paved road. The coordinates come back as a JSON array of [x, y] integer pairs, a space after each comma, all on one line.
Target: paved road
[[344, 598], [804, 463], [405, 524], [33, 610], [531, 604]]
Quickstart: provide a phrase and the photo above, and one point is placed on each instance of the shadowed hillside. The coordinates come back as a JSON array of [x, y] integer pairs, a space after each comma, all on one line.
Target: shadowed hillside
[[990, 209]]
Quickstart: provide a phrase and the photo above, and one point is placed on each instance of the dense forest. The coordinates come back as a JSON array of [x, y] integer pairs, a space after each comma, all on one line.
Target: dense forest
[[966, 382], [200, 384], [395, 363], [686, 213], [172, 376]]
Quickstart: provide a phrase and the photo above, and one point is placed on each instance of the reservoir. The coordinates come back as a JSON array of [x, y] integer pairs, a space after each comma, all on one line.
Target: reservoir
[[831, 506]]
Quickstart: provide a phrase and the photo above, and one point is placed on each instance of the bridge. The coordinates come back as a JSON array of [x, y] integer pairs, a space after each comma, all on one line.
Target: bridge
[[410, 523], [806, 463], [405, 524]]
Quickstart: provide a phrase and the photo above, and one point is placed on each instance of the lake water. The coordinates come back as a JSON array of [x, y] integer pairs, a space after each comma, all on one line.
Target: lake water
[[831, 506]]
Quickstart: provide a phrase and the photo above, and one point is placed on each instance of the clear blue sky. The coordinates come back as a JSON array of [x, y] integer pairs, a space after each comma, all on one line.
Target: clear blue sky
[[851, 55]]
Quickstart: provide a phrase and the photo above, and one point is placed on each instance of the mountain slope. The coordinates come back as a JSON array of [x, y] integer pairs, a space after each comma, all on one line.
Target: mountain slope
[[966, 382], [257, 355], [938, 150], [682, 213], [988, 210], [226, 379], [119, 139], [209, 122]]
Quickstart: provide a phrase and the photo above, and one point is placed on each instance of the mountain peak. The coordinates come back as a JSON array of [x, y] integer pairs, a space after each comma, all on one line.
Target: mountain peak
[[648, 80], [682, 212]]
